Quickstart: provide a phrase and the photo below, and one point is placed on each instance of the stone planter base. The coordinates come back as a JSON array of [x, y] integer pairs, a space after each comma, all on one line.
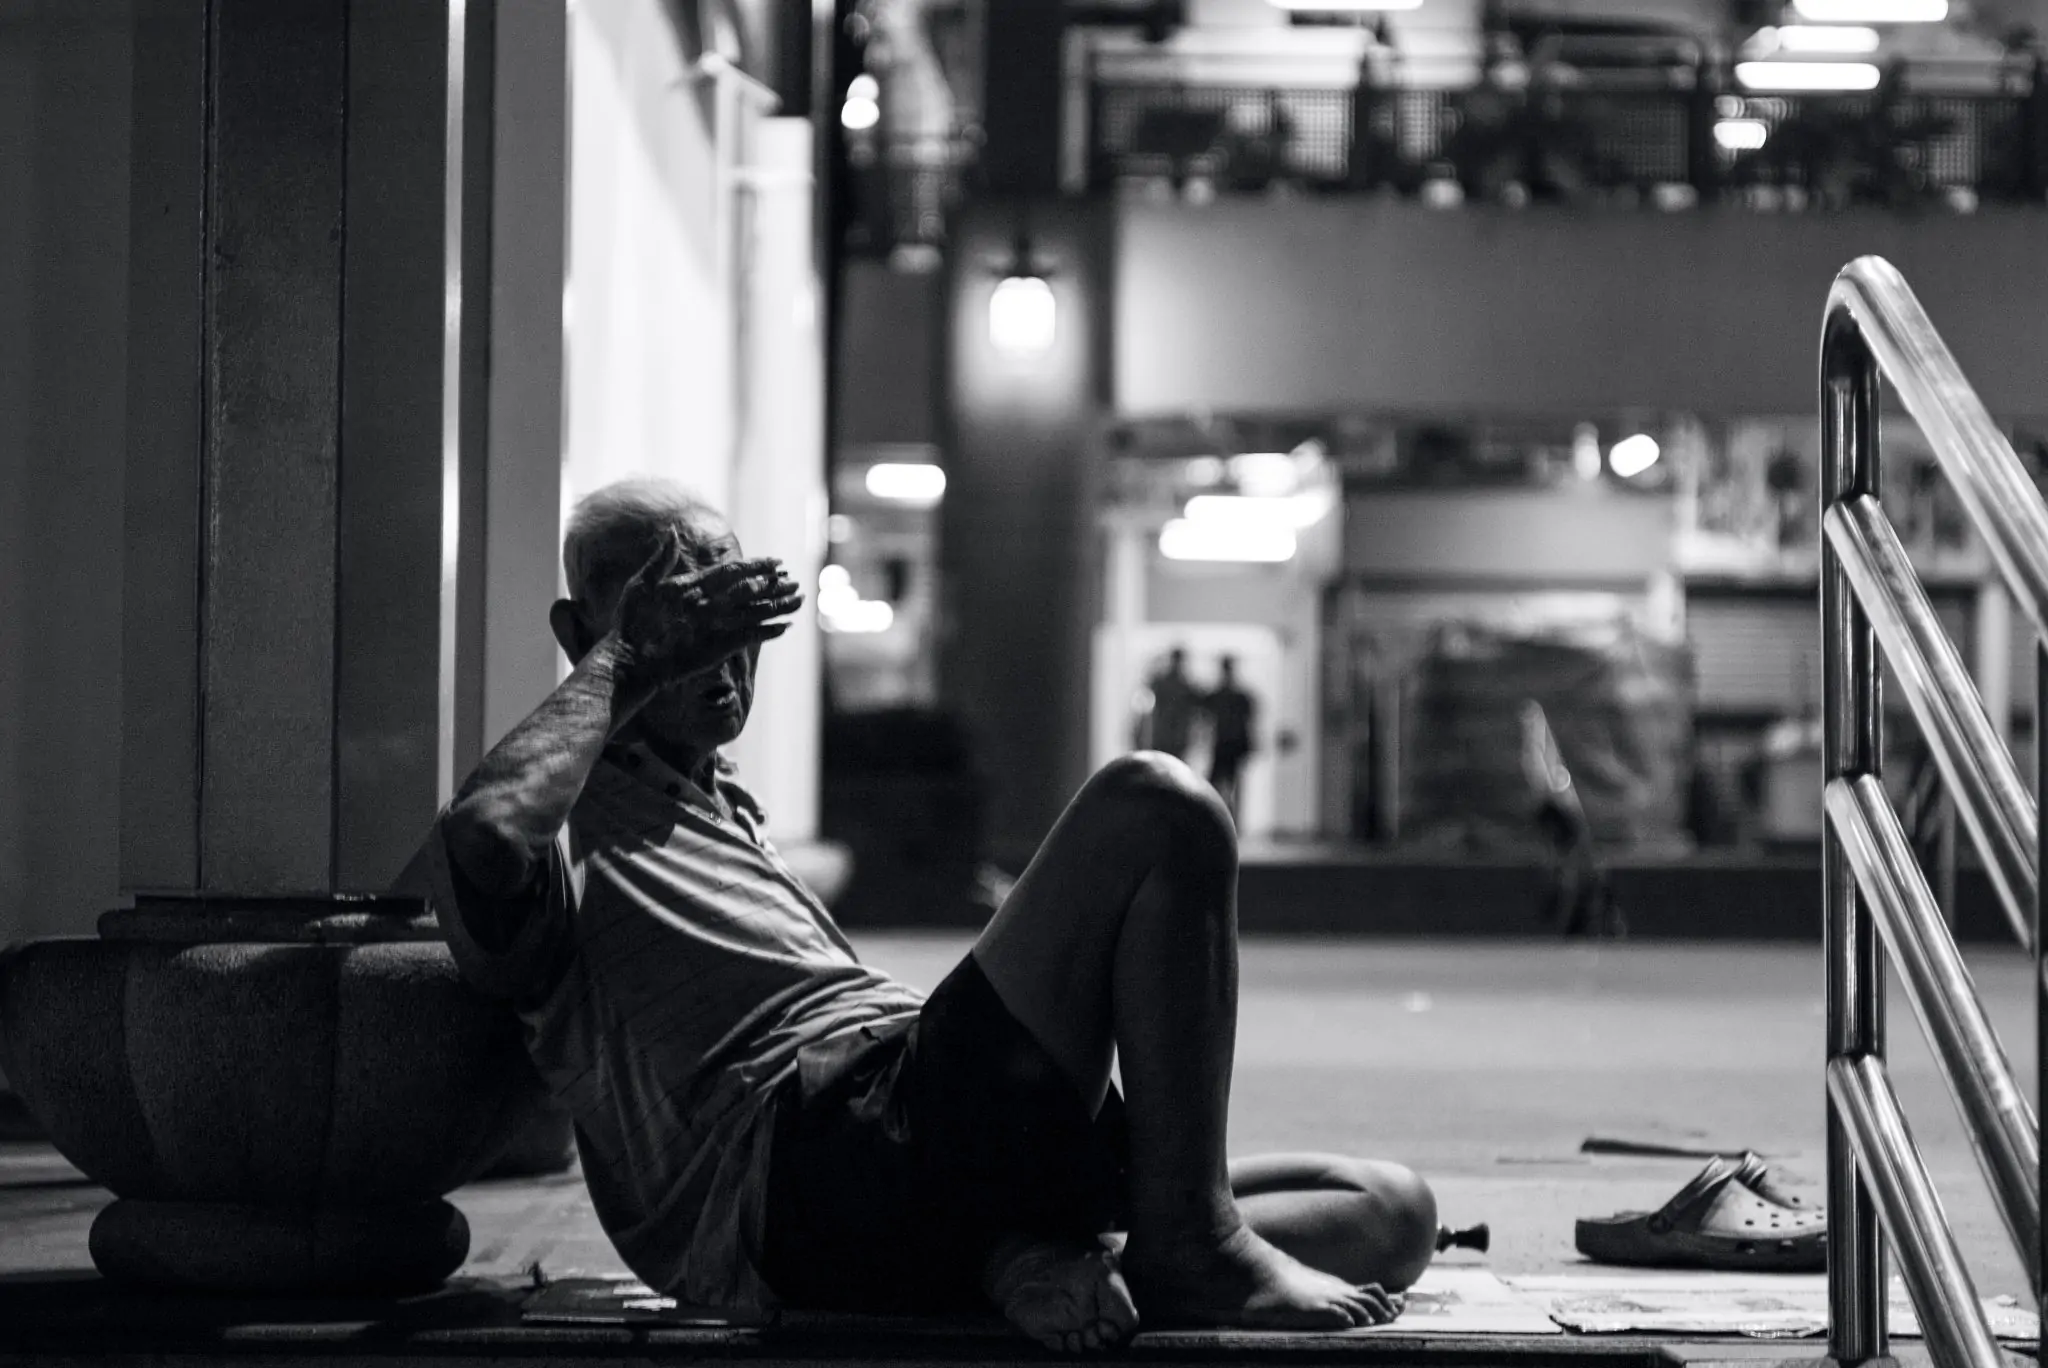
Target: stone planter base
[[278, 1111], [228, 1247]]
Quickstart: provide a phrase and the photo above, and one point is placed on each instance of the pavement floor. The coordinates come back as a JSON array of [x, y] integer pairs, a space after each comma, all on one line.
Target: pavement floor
[[1485, 1065]]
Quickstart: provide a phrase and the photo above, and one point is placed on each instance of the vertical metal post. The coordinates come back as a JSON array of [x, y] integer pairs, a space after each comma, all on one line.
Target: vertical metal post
[[2041, 924], [1853, 730], [1945, 855]]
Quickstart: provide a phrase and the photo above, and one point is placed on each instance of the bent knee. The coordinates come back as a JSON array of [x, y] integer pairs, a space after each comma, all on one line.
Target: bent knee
[[1408, 1207], [1162, 788]]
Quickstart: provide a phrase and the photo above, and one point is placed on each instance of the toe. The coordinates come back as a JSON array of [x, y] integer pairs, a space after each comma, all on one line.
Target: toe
[[1369, 1311]]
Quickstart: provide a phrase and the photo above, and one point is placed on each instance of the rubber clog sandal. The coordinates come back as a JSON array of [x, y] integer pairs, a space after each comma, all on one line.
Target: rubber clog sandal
[[1753, 1173], [1713, 1222]]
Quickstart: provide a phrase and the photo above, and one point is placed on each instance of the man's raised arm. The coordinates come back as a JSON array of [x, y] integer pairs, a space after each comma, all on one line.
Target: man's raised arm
[[500, 826]]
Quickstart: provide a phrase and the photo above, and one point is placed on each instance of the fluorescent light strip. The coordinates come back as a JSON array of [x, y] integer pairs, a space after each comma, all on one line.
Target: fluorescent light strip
[[1234, 511], [1184, 539], [1798, 76], [1872, 11], [1344, 6], [906, 482], [1841, 40], [1742, 135]]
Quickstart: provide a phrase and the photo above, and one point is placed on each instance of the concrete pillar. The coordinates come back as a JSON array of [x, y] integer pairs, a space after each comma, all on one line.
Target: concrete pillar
[[279, 1074], [778, 481], [1017, 549], [295, 454]]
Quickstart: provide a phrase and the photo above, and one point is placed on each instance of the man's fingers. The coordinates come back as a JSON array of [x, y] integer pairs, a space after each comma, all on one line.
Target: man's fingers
[[757, 589], [730, 579], [761, 610]]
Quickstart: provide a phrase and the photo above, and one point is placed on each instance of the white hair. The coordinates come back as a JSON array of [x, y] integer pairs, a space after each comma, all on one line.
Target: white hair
[[613, 531]]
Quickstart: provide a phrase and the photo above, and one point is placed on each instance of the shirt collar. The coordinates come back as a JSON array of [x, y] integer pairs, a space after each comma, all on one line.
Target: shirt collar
[[638, 760]]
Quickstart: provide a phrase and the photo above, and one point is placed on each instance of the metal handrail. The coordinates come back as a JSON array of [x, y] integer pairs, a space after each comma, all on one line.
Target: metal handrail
[[1861, 1094], [1979, 462], [1968, 749], [1878, 1187], [1994, 1110]]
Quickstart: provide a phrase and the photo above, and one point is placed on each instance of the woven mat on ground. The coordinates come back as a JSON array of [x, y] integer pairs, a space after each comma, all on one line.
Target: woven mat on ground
[[1448, 1301], [1760, 1305]]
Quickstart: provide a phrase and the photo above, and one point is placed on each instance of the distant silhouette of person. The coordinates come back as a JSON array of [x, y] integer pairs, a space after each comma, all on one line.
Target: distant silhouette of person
[[1175, 702], [1231, 713]]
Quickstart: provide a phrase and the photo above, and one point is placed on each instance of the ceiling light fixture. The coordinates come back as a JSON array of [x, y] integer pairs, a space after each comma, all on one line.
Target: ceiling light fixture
[[1023, 312]]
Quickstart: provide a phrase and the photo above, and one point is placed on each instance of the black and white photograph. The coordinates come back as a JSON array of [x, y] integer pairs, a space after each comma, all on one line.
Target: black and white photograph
[[910, 683]]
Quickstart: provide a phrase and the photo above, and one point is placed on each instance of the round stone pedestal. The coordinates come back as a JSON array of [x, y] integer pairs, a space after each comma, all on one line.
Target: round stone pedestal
[[281, 1114]]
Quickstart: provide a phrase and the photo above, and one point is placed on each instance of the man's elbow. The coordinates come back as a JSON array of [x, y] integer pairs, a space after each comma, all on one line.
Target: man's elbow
[[491, 855]]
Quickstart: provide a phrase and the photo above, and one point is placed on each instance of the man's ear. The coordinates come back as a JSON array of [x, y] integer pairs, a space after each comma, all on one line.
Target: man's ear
[[569, 630]]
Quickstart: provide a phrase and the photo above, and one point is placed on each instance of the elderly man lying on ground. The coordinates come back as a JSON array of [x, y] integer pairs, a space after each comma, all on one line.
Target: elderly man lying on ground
[[763, 1119]]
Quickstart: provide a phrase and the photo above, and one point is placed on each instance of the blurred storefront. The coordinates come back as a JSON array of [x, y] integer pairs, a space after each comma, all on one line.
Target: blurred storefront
[[1533, 288]]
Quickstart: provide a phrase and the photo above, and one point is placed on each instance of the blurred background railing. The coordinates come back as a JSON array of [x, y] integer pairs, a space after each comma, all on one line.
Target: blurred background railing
[[1681, 134], [1535, 109]]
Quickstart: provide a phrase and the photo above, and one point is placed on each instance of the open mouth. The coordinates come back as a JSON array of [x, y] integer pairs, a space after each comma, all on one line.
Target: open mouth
[[720, 695]]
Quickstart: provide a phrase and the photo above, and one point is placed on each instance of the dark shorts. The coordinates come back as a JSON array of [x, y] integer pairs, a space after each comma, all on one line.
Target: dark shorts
[[902, 1151]]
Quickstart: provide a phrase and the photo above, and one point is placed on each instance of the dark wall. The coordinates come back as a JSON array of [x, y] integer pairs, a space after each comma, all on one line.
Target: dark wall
[[64, 103], [1017, 548], [1262, 305]]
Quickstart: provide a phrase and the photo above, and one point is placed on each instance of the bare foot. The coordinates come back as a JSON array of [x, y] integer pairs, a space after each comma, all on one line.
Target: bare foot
[[1070, 1298], [1243, 1281]]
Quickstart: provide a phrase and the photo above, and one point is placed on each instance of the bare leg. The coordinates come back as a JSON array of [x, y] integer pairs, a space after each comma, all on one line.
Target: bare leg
[[1364, 1220], [1122, 936]]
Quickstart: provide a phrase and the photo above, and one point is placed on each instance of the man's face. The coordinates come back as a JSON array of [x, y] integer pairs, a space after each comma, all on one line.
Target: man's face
[[711, 710]]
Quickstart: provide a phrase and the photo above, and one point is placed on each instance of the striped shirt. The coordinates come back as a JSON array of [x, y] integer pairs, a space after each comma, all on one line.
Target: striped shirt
[[667, 980]]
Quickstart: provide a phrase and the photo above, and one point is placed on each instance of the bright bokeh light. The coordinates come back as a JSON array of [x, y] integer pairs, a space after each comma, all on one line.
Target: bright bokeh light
[[906, 482], [838, 528], [1842, 40], [1264, 474], [1742, 135], [1022, 316], [864, 87], [842, 609], [1291, 511], [1798, 76], [1633, 455], [1872, 11], [1203, 471], [1344, 6], [1267, 541], [1586, 451], [858, 116]]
